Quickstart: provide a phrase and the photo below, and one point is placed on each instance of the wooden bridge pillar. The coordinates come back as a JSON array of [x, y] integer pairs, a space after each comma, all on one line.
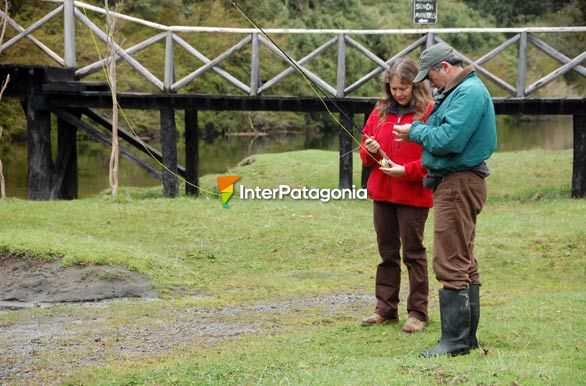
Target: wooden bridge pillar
[[579, 164], [40, 164], [169, 152], [64, 184], [191, 153], [346, 151]]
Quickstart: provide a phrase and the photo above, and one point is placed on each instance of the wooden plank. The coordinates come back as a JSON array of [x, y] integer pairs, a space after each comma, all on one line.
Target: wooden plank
[[26, 32], [341, 68], [563, 59], [494, 52], [254, 67], [101, 137], [169, 63], [366, 52], [579, 163], [308, 74], [157, 101], [120, 51], [191, 153], [36, 41], [556, 74], [522, 65], [213, 64], [91, 68], [378, 70], [345, 181], [169, 150], [498, 81], [69, 34], [290, 70], [130, 138]]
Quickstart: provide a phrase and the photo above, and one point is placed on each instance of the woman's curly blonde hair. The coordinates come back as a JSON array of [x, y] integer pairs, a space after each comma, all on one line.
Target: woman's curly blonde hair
[[406, 70]]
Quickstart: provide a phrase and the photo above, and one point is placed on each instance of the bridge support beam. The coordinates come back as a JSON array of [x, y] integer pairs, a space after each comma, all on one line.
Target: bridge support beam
[[346, 151], [579, 164], [40, 163], [65, 178], [169, 152], [191, 153]]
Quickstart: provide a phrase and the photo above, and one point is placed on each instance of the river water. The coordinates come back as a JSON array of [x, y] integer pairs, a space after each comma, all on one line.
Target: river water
[[539, 132]]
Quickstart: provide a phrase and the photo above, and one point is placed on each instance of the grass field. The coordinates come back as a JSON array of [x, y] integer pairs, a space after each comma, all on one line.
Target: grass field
[[295, 257]]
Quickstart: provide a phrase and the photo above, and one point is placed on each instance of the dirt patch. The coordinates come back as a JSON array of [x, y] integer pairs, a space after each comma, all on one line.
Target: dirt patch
[[33, 283]]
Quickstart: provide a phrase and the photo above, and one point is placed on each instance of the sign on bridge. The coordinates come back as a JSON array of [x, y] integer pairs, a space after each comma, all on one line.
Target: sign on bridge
[[424, 11]]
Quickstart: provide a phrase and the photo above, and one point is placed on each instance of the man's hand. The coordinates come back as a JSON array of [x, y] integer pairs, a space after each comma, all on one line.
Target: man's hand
[[371, 145], [402, 131]]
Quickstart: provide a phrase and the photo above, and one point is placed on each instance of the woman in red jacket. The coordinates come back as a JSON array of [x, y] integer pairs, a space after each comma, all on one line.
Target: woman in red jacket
[[401, 203]]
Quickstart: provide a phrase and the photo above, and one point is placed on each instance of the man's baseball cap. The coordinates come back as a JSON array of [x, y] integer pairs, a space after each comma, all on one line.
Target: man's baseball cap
[[430, 57]]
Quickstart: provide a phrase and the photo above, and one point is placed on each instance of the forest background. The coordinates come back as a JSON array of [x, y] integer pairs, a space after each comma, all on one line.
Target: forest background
[[331, 14]]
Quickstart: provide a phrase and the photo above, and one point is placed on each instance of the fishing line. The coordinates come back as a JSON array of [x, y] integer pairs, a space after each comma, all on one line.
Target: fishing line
[[312, 84], [132, 128]]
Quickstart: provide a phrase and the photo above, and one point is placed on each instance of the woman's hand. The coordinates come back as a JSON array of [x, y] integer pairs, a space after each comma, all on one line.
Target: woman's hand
[[395, 170], [371, 145]]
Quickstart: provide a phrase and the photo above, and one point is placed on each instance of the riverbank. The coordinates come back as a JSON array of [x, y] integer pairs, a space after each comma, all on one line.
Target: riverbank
[[273, 291]]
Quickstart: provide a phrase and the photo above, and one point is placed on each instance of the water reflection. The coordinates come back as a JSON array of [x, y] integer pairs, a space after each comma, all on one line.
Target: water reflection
[[514, 133]]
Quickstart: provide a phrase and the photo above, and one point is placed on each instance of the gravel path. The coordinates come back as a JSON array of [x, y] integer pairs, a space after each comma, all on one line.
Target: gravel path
[[49, 346]]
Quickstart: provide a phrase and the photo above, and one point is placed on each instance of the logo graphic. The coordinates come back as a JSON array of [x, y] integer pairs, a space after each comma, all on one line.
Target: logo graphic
[[226, 185]]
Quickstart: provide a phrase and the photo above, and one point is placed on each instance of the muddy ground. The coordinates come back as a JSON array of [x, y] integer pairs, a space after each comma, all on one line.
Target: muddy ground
[[45, 346]]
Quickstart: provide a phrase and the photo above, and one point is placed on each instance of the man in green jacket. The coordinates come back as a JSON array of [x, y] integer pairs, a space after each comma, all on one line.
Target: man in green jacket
[[457, 138]]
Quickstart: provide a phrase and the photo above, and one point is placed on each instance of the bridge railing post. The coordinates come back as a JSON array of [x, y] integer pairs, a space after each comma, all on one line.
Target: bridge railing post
[[254, 67], [169, 63], [69, 34], [522, 65], [341, 73]]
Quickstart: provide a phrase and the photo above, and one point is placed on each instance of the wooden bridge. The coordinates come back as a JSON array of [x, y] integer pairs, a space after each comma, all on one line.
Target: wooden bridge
[[61, 91]]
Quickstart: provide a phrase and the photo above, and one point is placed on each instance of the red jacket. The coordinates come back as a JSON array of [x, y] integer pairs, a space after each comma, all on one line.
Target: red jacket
[[406, 190]]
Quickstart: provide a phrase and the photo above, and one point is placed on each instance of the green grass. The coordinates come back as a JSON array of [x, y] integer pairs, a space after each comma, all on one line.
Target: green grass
[[531, 244]]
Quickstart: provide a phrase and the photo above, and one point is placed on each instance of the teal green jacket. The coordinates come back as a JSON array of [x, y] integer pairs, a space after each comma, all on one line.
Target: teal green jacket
[[460, 133]]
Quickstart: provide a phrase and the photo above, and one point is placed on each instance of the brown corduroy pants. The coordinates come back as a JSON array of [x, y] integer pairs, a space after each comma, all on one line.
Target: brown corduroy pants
[[458, 200], [397, 225]]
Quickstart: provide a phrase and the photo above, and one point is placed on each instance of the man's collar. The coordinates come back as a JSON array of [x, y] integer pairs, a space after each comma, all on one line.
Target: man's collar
[[458, 78]]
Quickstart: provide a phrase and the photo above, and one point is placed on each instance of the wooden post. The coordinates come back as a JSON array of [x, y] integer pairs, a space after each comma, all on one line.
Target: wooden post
[[430, 40], [65, 181], [169, 63], [191, 153], [40, 164], [365, 169], [579, 164], [346, 151], [169, 150], [69, 34], [255, 67], [341, 75], [522, 65]]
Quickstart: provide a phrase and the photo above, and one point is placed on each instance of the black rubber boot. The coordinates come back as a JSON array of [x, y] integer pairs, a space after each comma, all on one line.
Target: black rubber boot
[[474, 295], [455, 317]]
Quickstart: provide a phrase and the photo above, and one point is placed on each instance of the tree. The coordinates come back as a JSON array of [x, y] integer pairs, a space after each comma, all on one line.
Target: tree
[[4, 85]]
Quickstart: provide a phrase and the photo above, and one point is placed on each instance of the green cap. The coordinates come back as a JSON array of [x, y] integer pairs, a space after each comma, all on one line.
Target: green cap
[[430, 57]]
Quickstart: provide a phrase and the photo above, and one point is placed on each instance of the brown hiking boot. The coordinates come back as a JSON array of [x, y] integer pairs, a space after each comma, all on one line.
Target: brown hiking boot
[[377, 320], [413, 325]]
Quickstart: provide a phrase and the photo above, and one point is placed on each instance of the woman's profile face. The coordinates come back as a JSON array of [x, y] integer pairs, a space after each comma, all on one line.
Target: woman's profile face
[[402, 92]]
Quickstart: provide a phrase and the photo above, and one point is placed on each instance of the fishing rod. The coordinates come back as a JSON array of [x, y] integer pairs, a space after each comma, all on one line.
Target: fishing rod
[[384, 159]]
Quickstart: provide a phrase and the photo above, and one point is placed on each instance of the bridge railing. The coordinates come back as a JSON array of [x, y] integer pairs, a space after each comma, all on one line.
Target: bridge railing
[[253, 39]]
